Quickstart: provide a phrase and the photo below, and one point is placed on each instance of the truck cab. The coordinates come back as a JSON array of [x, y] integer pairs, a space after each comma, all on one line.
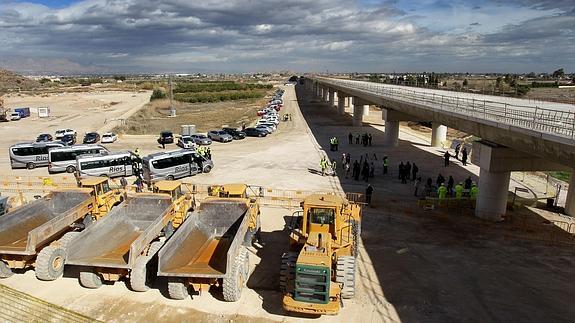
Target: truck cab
[[182, 203], [104, 196]]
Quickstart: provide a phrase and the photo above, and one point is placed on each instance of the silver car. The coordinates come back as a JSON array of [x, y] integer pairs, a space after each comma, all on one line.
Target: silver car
[[220, 135], [201, 139]]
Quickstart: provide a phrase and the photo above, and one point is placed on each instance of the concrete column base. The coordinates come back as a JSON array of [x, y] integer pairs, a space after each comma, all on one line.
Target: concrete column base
[[357, 115], [492, 198], [391, 134], [331, 98], [341, 104], [438, 135], [570, 202], [366, 110]]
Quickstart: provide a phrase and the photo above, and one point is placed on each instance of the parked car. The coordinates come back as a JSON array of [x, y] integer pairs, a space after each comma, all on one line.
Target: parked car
[[68, 140], [167, 137], [62, 132], [235, 133], [187, 142], [15, 116], [44, 137], [220, 135], [91, 138], [254, 132], [201, 139], [109, 137], [266, 129]]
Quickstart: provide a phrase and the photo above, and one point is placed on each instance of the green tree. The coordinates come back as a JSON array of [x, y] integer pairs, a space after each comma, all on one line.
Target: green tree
[[157, 94], [558, 73]]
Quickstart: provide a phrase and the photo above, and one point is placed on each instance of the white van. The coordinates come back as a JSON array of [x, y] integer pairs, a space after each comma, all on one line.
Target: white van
[[174, 164], [116, 164], [31, 155], [63, 159]]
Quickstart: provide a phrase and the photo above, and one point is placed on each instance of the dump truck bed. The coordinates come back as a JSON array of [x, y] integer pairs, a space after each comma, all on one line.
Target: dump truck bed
[[118, 239], [207, 243], [36, 223]]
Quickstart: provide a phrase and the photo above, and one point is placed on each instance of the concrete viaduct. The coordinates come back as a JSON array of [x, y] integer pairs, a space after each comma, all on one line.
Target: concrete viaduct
[[517, 134]]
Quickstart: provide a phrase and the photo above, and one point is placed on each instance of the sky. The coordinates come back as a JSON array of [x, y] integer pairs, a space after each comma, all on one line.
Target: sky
[[186, 36]]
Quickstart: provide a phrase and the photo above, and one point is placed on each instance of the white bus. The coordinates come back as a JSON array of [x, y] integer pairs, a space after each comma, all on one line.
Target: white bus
[[63, 159], [112, 165], [31, 155], [174, 164]]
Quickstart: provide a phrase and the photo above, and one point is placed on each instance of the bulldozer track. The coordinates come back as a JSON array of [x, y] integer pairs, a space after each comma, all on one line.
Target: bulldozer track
[[16, 306]]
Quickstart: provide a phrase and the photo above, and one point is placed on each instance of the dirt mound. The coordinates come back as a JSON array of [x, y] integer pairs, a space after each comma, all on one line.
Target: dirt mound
[[13, 81]]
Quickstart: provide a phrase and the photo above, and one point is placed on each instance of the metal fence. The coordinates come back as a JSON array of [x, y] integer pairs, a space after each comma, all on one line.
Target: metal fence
[[551, 121]]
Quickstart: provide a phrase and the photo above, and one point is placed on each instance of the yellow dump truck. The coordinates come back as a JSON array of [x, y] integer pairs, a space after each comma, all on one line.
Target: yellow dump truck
[[320, 268], [124, 243], [210, 247], [37, 234]]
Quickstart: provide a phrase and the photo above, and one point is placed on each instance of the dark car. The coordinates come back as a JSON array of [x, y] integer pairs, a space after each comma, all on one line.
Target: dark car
[[91, 138], [253, 132], [44, 137], [167, 137], [235, 133], [68, 140]]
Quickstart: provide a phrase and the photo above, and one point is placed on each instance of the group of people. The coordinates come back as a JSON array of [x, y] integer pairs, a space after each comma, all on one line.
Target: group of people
[[333, 143], [464, 155], [204, 152], [406, 171], [287, 116], [324, 164], [451, 189], [365, 139]]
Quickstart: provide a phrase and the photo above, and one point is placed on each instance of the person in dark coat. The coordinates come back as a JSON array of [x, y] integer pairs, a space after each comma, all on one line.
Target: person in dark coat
[[350, 138], [369, 139], [407, 170], [365, 172], [414, 171], [457, 148], [356, 170], [401, 167], [440, 180], [368, 193], [464, 156], [446, 158], [450, 183]]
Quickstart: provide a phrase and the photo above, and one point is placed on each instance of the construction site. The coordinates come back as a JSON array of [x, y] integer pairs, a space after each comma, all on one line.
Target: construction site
[[265, 236]]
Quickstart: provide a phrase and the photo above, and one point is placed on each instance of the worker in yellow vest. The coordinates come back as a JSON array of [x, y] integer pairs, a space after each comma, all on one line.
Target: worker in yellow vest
[[459, 190], [442, 191]]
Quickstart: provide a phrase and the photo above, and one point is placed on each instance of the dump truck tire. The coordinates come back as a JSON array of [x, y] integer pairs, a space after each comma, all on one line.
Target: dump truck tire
[[177, 289], [287, 272], [234, 282], [50, 263], [139, 275], [90, 279], [67, 238], [345, 274], [5, 271], [246, 257]]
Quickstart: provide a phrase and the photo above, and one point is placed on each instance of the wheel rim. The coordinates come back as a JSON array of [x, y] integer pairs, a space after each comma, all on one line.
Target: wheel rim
[[57, 263]]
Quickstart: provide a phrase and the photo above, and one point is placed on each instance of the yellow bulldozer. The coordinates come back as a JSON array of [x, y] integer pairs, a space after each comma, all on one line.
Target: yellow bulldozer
[[320, 268]]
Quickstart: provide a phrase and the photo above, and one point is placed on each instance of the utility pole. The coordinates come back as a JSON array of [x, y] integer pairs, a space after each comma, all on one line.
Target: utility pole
[[172, 107]]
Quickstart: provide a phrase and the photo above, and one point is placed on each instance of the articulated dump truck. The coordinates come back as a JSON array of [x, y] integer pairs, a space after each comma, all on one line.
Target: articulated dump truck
[[320, 268], [38, 234], [209, 249], [124, 243]]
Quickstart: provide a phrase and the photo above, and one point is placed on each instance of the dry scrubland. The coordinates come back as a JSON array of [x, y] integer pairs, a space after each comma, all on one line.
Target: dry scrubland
[[154, 117]]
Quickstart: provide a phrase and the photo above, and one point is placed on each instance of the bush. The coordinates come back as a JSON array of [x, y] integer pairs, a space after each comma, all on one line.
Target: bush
[[157, 94], [206, 97], [197, 87]]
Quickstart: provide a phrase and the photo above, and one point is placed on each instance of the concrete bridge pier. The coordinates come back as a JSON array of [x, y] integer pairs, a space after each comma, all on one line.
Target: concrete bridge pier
[[358, 106], [570, 202], [341, 102], [438, 134], [331, 97], [495, 166], [392, 119], [366, 110], [326, 94]]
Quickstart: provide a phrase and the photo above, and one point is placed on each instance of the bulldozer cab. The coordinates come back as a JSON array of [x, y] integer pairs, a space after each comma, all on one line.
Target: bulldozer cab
[[320, 214], [99, 185]]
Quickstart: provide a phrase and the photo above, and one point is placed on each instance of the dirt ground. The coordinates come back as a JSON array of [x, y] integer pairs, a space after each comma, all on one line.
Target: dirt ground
[[414, 265], [154, 117]]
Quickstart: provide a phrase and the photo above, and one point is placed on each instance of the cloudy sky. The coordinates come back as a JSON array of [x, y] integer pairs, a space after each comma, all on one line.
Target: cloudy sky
[[301, 35]]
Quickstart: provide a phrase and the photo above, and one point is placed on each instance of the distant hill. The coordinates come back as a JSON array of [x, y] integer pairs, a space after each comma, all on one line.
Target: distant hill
[[10, 80]]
